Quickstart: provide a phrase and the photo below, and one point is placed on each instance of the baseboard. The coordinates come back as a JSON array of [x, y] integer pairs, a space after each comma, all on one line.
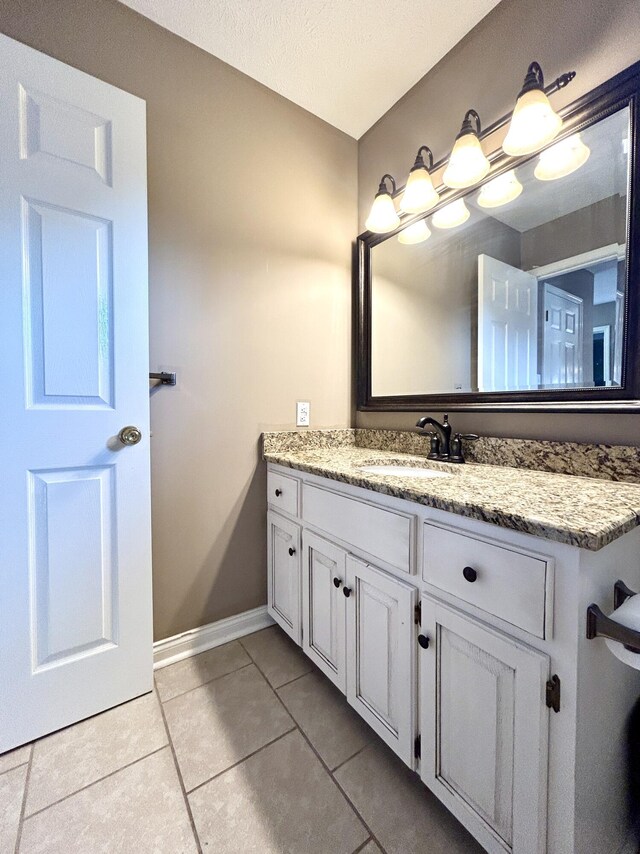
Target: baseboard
[[173, 649]]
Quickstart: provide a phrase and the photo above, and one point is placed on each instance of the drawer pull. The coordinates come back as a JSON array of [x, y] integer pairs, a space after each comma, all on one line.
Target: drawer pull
[[346, 591], [278, 493], [423, 640], [292, 551], [469, 573], [337, 582]]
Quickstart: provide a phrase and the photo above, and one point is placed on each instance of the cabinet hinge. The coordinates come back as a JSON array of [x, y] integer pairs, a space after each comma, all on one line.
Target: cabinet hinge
[[553, 693], [417, 614], [417, 747]]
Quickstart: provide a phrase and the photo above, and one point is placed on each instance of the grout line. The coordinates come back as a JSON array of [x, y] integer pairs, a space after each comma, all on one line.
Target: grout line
[[364, 845], [95, 782], [181, 782], [244, 759], [324, 764], [13, 767], [353, 756], [202, 684], [291, 681], [24, 798]]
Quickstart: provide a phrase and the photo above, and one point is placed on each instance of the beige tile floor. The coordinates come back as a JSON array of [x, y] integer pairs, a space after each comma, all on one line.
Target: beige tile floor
[[245, 748]]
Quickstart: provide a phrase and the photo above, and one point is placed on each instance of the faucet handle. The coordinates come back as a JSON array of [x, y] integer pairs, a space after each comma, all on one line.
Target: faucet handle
[[469, 437]]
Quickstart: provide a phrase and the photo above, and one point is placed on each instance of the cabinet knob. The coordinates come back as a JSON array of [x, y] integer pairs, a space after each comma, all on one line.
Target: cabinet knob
[[346, 591], [278, 493], [292, 551], [469, 573], [337, 582], [423, 640]]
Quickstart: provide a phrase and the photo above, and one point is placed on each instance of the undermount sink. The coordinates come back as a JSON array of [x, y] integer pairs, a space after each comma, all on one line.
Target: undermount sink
[[404, 471]]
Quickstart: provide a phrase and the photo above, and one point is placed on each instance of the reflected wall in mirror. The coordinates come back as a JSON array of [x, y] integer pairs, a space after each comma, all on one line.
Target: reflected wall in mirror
[[523, 290]]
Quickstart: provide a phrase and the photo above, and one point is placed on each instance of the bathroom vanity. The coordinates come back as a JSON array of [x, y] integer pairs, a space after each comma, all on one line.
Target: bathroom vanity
[[451, 612]]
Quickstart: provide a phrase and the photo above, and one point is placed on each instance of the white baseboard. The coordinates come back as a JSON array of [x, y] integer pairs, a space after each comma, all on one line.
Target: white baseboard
[[173, 649]]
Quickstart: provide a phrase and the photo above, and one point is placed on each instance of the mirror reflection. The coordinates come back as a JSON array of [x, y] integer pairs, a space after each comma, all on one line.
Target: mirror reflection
[[520, 285]]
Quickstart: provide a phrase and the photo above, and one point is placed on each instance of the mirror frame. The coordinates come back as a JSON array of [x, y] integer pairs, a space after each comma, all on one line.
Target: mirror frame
[[620, 91]]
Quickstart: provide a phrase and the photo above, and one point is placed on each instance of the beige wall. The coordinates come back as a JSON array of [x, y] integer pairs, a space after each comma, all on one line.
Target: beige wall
[[485, 71], [252, 210]]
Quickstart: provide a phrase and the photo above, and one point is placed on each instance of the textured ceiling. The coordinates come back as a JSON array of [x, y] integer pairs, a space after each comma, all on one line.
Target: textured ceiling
[[347, 61]]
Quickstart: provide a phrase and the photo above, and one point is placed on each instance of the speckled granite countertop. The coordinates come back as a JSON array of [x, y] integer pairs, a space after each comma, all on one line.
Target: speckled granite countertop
[[581, 511]]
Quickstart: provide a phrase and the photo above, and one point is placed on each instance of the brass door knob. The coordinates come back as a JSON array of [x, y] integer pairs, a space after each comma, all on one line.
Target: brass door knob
[[130, 435]]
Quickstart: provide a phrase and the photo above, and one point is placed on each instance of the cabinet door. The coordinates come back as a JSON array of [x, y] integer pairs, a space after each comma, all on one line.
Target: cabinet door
[[381, 654], [485, 729], [283, 574], [323, 604]]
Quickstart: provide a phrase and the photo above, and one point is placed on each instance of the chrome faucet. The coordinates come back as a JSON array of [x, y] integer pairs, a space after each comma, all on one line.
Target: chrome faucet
[[443, 447]]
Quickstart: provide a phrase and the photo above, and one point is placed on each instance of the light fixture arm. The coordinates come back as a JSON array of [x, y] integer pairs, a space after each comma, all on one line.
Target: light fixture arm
[[534, 79], [467, 126], [419, 161], [382, 187]]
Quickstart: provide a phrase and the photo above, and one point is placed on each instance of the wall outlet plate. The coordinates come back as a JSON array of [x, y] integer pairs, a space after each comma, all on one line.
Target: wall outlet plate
[[303, 413]]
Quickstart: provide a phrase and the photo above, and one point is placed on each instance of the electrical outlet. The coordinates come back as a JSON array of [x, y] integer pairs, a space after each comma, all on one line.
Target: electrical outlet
[[303, 413]]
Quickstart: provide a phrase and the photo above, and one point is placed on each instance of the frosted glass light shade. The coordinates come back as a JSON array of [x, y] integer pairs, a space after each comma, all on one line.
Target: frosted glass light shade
[[534, 124], [383, 216], [419, 195], [562, 159], [500, 191], [415, 233], [467, 163], [451, 215]]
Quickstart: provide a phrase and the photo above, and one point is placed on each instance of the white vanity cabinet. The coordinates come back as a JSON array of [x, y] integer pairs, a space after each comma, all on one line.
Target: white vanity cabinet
[[456, 640], [485, 728]]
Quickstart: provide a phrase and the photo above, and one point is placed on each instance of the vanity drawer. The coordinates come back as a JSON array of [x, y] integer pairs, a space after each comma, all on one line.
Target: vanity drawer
[[282, 492], [500, 580], [386, 534]]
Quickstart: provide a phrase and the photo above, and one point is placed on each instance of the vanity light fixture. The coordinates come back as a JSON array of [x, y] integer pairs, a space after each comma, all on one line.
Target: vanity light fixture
[[468, 163], [451, 215], [383, 216], [534, 122], [562, 159], [500, 191], [419, 195], [417, 232]]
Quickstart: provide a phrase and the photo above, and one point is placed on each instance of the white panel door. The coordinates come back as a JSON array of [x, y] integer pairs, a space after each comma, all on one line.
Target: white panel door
[[484, 727], [283, 574], [75, 568], [563, 338], [381, 654], [323, 606], [507, 327]]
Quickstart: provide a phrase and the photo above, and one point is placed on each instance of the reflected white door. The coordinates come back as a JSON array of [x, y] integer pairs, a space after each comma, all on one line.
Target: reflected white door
[[75, 569], [563, 331], [507, 327]]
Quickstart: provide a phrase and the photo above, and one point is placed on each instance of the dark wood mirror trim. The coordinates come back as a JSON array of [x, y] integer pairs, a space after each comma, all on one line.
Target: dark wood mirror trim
[[618, 92]]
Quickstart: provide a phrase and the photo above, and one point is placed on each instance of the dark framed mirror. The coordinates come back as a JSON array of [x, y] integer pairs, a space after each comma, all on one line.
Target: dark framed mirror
[[532, 303]]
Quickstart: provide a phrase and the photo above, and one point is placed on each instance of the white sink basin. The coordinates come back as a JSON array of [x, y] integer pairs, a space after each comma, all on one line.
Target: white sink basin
[[404, 471]]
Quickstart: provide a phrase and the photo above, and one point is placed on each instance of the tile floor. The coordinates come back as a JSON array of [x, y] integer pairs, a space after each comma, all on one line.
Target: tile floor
[[245, 748]]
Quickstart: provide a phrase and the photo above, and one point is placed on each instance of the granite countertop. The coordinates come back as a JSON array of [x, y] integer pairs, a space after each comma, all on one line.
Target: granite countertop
[[580, 511]]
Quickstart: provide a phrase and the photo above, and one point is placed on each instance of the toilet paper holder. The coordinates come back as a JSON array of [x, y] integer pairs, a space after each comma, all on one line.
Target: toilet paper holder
[[599, 625]]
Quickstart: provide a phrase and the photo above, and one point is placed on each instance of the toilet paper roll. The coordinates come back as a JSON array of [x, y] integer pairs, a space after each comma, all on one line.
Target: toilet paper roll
[[628, 614]]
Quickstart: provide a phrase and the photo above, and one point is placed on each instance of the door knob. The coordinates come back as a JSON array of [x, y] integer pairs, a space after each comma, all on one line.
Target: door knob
[[423, 640], [130, 435], [337, 582], [346, 591], [292, 551]]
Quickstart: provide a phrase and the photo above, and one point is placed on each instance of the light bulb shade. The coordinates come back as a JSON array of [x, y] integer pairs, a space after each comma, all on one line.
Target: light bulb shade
[[383, 216], [414, 233], [500, 191], [467, 162], [534, 124], [562, 159], [419, 195], [451, 215]]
